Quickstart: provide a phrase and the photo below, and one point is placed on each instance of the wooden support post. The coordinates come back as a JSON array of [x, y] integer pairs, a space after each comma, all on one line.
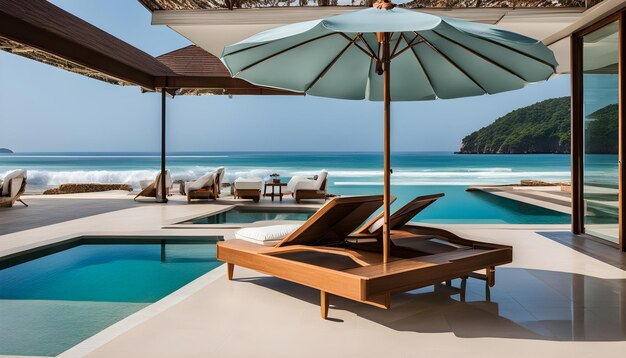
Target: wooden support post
[[491, 276], [163, 197], [324, 304], [231, 269]]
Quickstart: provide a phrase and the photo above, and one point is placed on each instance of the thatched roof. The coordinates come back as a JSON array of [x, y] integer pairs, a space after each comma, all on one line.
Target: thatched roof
[[39, 30], [156, 5], [50, 59]]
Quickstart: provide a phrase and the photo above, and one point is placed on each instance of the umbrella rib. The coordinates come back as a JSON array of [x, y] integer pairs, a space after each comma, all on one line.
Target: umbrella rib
[[409, 45], [374, 56], [481, 56], [396, 46], [285, 50], [452, 62], [328, 67], [354, 42], [246, 49], [514, 50], [419, 62]]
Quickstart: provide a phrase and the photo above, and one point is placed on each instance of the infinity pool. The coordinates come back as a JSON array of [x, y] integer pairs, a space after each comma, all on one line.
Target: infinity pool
[[61, 296], [242, 215]]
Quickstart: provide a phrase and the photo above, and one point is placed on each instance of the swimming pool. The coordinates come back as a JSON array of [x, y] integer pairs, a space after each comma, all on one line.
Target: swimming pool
[[52, 299], [244, 215], [459, 206]]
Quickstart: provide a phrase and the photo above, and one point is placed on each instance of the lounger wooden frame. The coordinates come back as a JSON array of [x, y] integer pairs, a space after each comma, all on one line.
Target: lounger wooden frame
[[254, 194], [9, 203], [396, 220], [210, 191], [151, 190], [366, 279], [309, 194]]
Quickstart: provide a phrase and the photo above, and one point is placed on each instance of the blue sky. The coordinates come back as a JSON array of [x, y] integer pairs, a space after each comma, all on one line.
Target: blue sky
[[47, 109]]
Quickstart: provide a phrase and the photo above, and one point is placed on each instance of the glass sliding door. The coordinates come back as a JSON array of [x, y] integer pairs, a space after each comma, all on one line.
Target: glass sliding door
[[600, 81]]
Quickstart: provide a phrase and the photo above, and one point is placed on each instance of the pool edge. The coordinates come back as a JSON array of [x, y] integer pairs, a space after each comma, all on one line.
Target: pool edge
[[117, 329]]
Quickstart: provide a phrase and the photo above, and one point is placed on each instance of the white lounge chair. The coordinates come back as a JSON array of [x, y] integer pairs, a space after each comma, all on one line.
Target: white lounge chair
[[248, 188], [12, 187], [152, 189], [203, 188], [304, 188]]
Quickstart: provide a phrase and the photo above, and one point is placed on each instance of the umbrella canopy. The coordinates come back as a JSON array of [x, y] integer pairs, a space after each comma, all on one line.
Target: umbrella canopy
[[432, 57], [390, 54]]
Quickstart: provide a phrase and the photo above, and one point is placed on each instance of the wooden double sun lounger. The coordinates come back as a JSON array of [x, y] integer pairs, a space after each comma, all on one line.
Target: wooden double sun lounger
[[326, 253]]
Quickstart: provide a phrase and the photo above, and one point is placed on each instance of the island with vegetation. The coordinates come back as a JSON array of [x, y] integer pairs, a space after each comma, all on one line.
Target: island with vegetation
[[6, 151], [543, 127]]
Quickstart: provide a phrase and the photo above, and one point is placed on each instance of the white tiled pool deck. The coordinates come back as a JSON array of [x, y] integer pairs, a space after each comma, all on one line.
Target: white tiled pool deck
[[550, 302]]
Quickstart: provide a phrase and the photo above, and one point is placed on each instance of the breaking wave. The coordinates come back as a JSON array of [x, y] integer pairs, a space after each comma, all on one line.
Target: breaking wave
[[456, 176]]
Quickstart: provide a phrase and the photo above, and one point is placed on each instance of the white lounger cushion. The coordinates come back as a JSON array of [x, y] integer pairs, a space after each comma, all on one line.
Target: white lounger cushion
[[219, 175], [320, 179], [266, 235], [205, 180], [254, 183], [301, 183], [12, 175], [146, 183]]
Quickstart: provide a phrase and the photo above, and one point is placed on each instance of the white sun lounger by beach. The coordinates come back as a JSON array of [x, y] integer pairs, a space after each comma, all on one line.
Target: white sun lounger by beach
[[203, 188], [152, 189], [248, 188], [303, 188], [12, 187]]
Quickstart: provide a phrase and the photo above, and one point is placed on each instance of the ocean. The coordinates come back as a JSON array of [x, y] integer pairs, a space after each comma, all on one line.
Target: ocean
[[349, 174]]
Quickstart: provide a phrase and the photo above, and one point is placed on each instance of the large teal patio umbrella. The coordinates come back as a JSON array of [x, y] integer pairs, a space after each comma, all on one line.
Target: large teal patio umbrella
[[390, 54]]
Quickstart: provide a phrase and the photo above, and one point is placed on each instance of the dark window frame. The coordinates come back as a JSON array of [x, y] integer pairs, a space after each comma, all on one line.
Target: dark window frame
[[578, 219]]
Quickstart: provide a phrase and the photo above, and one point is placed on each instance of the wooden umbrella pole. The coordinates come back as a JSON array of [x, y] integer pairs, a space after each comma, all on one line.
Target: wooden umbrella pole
[[387, 147]]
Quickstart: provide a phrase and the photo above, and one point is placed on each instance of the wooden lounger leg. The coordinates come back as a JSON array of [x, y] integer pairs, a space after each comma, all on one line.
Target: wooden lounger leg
[[231, 269], [22, 201], [324, 304], [382, 301], [387, 300]]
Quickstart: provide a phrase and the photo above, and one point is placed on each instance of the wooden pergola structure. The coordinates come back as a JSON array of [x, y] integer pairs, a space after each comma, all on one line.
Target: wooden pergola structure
[[41, 31]]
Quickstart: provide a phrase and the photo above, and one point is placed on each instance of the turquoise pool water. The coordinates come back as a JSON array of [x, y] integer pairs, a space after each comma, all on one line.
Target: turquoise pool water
[[51, 303], [462, 207], [458, 206], [249, 215]]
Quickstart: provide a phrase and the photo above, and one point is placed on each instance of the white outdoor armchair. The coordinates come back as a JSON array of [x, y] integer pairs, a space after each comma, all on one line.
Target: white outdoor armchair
[[12, 187], [304, 188]]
